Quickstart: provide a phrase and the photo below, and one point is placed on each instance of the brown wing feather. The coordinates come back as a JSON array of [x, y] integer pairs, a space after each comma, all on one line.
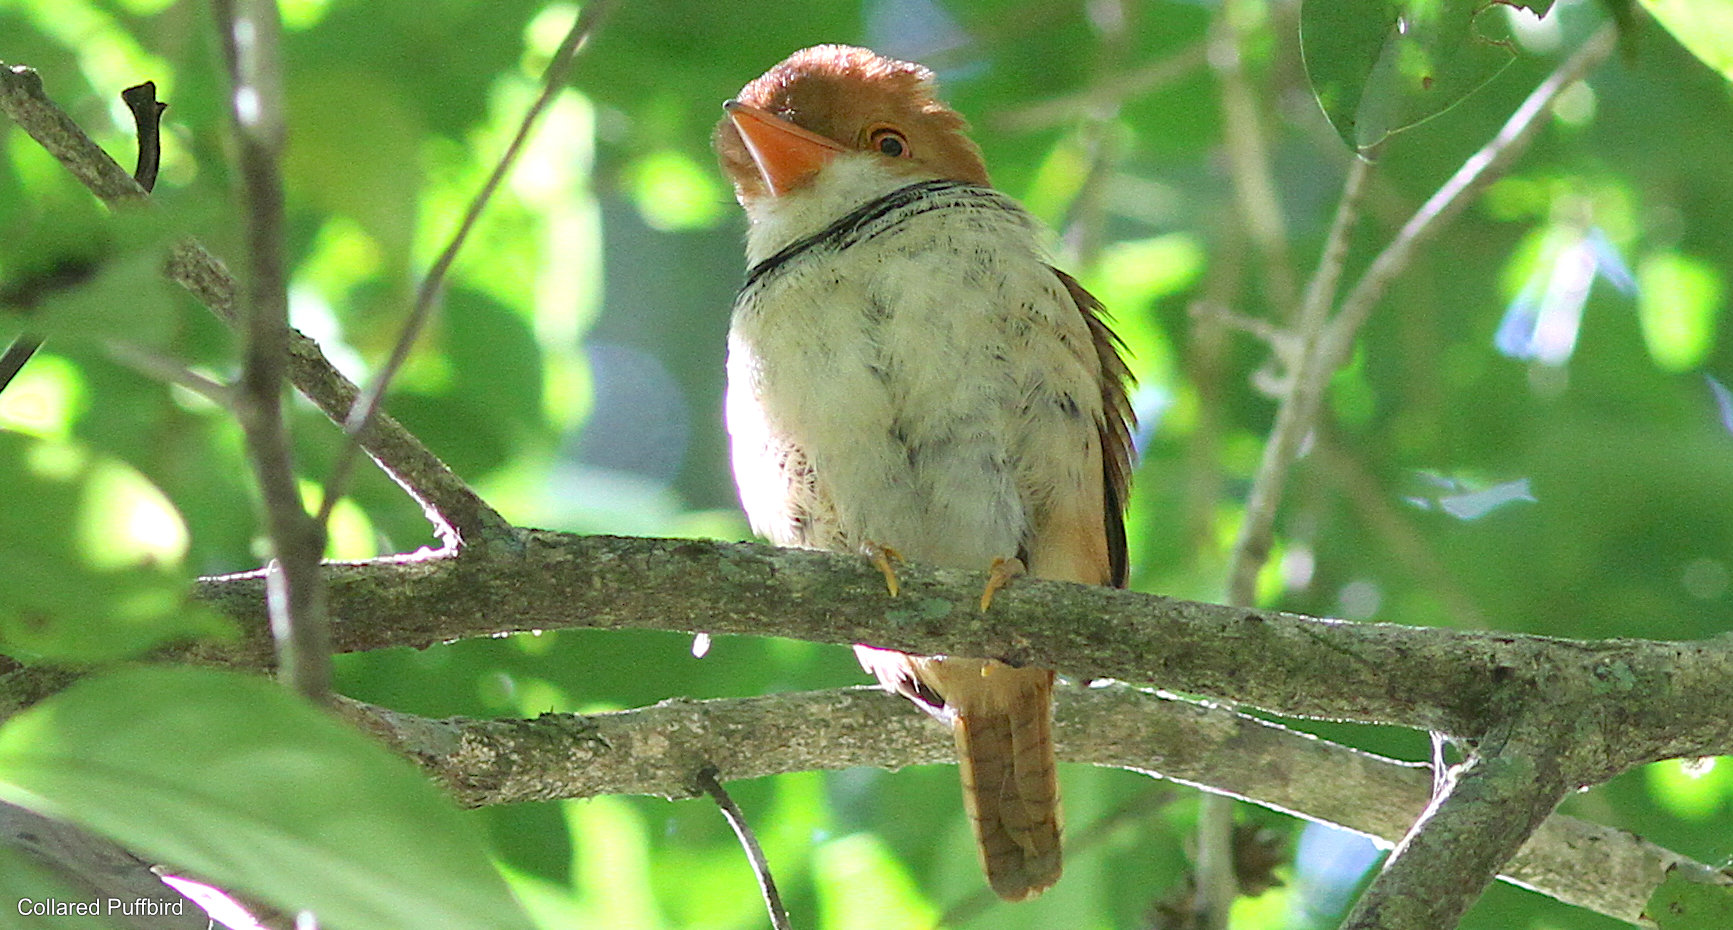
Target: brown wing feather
[[1115, 426]]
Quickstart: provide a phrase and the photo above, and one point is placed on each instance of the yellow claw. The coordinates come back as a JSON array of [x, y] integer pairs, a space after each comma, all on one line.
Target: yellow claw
[[884, 558], [999, 574]]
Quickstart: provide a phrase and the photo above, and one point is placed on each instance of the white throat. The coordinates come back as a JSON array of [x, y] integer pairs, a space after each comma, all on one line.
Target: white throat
[[847, 182]]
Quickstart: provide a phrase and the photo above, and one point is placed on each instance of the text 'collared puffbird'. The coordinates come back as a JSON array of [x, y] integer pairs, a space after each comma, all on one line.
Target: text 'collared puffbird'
[[909, 376]]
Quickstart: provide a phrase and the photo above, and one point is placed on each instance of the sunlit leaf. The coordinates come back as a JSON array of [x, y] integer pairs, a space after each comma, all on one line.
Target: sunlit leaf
[[235, 779], [1678, 301], [1705, 27], [611, 863], [862, 887], [44, 397], [1693, 790], [94, 557], [673, 192], [1684, 904], [1383, 66], [26, 886]]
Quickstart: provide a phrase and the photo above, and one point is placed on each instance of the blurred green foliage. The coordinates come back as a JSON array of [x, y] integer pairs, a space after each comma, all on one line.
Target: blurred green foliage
[[1528, 439]]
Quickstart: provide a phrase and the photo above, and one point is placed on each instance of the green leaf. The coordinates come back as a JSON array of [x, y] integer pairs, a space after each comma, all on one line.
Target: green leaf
[[861, 886], [231, 777], [1378, 67], [1704, 27], [22, 881], [121, 294], [94, 555], [1682, 903], [1678, 298]]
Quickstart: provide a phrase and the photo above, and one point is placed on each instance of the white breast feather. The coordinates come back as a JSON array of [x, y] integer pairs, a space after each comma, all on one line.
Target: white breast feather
[[905, 391]]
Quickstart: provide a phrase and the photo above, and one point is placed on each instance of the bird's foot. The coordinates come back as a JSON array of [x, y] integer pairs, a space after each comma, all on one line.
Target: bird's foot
[[885, 559], [999, 574]]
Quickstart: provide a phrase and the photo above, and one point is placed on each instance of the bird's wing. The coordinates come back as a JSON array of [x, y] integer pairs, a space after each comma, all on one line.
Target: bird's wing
[[1081, 536]]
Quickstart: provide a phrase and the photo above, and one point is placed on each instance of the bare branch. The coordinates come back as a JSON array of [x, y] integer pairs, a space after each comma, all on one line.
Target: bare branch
[[454, 509], [1298, 409], [1679, 699], [754, 853], [146, 111], [1476, 174], [153, 364], [660, 750], [22, 98], [1328, 339], [1248, 155], [250, 30], [365, 409]]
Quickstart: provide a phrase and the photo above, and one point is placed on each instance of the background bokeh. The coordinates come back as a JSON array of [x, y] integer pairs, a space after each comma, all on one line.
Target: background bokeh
[[1533, 434]]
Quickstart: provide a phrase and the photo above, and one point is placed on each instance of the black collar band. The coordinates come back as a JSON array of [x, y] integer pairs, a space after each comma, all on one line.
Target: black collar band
[[859, 223]]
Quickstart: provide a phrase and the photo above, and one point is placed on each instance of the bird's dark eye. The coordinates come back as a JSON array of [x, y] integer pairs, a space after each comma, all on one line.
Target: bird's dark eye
[[887, 141]]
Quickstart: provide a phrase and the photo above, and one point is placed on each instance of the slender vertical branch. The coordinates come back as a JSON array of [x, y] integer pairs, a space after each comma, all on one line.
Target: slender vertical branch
[[1248, 156], [366, 406], [295, 587], [748, 842], [1327, 339], [1298, 405]]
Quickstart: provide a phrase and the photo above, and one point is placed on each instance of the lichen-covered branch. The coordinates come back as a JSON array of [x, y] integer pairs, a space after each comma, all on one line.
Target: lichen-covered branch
[[1662, 699], [660, 750], [1508, 786]]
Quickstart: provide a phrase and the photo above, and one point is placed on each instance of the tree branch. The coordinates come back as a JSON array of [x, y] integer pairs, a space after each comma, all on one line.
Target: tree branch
[[1499, 797], [250, 31], [1663, 699], [1326, 340], [457, 513], [660, 750], [749, 844]]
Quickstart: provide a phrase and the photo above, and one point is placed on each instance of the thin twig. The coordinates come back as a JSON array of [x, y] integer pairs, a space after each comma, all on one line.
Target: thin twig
[[1476, 174], [146, 110], [1248, 158], [1216, 883], [455, 510], [16, 355], [748, 842], [147, 116], [250, 31], [153, 364], [1252, 545], [366, 407]]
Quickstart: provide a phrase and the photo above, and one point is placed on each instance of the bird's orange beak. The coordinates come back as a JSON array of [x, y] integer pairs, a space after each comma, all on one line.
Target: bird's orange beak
[[786, 155]]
